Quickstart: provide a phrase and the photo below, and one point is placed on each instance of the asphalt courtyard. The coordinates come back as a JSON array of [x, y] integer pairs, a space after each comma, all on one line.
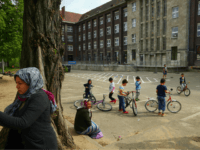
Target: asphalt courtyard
[[146, 130]]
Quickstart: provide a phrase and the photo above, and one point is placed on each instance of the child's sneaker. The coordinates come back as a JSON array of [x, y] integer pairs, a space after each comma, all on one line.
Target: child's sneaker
[[121, 110], [126, 112], [112, 101], [162, 115], [115, 101], [159, 113]]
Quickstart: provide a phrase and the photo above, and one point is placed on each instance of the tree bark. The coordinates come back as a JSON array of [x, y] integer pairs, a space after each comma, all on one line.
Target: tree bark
[[41, 36]]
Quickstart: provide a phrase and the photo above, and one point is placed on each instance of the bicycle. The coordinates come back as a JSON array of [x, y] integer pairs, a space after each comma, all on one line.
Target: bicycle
[[128, 101], [101, 105], [186, 90], [91, 96], [153, 104]]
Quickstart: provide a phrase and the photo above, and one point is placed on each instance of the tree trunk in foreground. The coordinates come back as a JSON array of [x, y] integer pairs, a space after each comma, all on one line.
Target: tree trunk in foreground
[[42, 48]]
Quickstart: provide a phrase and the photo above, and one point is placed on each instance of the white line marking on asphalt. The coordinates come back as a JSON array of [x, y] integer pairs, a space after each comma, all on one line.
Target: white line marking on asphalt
[[120, 79], [134, 78], [192, 116], [108, 78], [155, 79], [127, 78], [103, 76], [142, 80], [148, 79]]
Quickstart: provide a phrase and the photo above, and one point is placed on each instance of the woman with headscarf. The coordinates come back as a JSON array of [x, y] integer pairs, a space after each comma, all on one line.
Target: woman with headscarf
[[83, 123], [28, 117]]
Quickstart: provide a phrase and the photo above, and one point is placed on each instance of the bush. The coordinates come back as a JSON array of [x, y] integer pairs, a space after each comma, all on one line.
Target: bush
[[66, 69], [14, 62]]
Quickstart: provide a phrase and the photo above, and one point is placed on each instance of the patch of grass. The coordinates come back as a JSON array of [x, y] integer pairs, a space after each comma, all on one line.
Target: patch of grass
[[12, 70]]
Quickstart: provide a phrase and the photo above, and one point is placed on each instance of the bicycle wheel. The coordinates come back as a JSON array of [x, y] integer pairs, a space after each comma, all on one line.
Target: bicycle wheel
[[187, 92], [104, 106], [134, 107], [78, 103], [178, 89], [151, 105], [93, 99], [174, 106], [127, 102]]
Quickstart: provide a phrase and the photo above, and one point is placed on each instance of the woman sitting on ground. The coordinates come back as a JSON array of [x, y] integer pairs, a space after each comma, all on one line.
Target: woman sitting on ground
[[83, 123]]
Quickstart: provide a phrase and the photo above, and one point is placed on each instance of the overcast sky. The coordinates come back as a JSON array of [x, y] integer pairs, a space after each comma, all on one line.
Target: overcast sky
[[81, 6]]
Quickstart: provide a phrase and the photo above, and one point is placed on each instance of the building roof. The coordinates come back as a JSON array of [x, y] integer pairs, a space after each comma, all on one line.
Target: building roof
[[70, 16]]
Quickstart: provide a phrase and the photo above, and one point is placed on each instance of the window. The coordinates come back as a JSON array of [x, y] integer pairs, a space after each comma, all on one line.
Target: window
[[175, 32], [63, 38], [108, 18], [101, 32], [95, 44], [133, 54], [164, 26], [79, 37], [199, 8], [147, 31], [79, 47], [89, 45], [147, 13], [95, 34], [141, 16], [63, 29], [101, 20], [158, 27], [83, 37], [69, 29], [84, 46], [89, 35], [117, 28], [174, 53], [133, 38], [152, 11], [79, 28], [141, 45], [152, 28], [125, 26], [125, 12], [133, 23], [108, 42], [89, 25], [198, 30], [164, 8], [147, 45], [117, 41], [175, 12], [101, 44], [158, 44], [158, 9], [95, 23], [70, 38], [108, 30], [70, 48], [152, 1], [134, 6], [164, 43], [147, 1], [125, 40], [116, 15], [141, 31], [83, 26], [152, 44]]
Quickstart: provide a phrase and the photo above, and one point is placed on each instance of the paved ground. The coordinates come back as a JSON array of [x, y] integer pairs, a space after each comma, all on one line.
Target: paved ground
[[147, 130]]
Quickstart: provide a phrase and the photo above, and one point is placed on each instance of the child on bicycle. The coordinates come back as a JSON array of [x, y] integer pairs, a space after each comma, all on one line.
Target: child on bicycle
[[88, 87], [182, 81], [121, 95], [138, 87], [111, 90], [161, 90], [164, 71]]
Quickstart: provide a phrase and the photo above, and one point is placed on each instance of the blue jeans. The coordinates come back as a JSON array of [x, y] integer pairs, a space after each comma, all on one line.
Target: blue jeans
[[161, 103], [86, 94], [121, 103]]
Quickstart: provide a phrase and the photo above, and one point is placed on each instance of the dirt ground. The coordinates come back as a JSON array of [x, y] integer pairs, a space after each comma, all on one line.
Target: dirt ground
[[7, 94]]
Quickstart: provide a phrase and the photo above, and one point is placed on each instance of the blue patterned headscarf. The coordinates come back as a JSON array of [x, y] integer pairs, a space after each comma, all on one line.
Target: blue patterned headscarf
[[33, 78]]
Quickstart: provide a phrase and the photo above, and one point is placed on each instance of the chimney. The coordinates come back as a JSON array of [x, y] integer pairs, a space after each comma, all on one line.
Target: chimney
[[63, 11]]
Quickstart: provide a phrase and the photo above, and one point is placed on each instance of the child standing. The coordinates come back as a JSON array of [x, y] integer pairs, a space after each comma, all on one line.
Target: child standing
[[182, 81], [121, 95], [164, 71], [161, 90], [111, 90], [138, 87], [88, 87]]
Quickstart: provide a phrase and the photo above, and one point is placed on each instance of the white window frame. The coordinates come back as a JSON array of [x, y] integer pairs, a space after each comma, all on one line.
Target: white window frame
[[79, 48], [95, 33], [89, 25], [89, 35], [70, 38], [83, 37], [125, 40], [125, 26], [117, 41], [79, 28], [101, 32], [174, 31], [125, 12], [95, 44], [175, 12], [95, 23], [69, 29], [79, 37], [89, 45], [108, 42], [116, 16], [70, 47], [108, 30], [198, 29], [134, 7], [84, 46], [199, 9], [83, 26], [101, 20], [108, 18], [133, 38], [63, 37], [133, 23], [101, 44], [117, 28]]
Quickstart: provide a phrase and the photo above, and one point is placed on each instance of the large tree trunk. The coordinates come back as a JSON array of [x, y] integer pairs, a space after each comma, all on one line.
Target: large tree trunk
[[41, 36]]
